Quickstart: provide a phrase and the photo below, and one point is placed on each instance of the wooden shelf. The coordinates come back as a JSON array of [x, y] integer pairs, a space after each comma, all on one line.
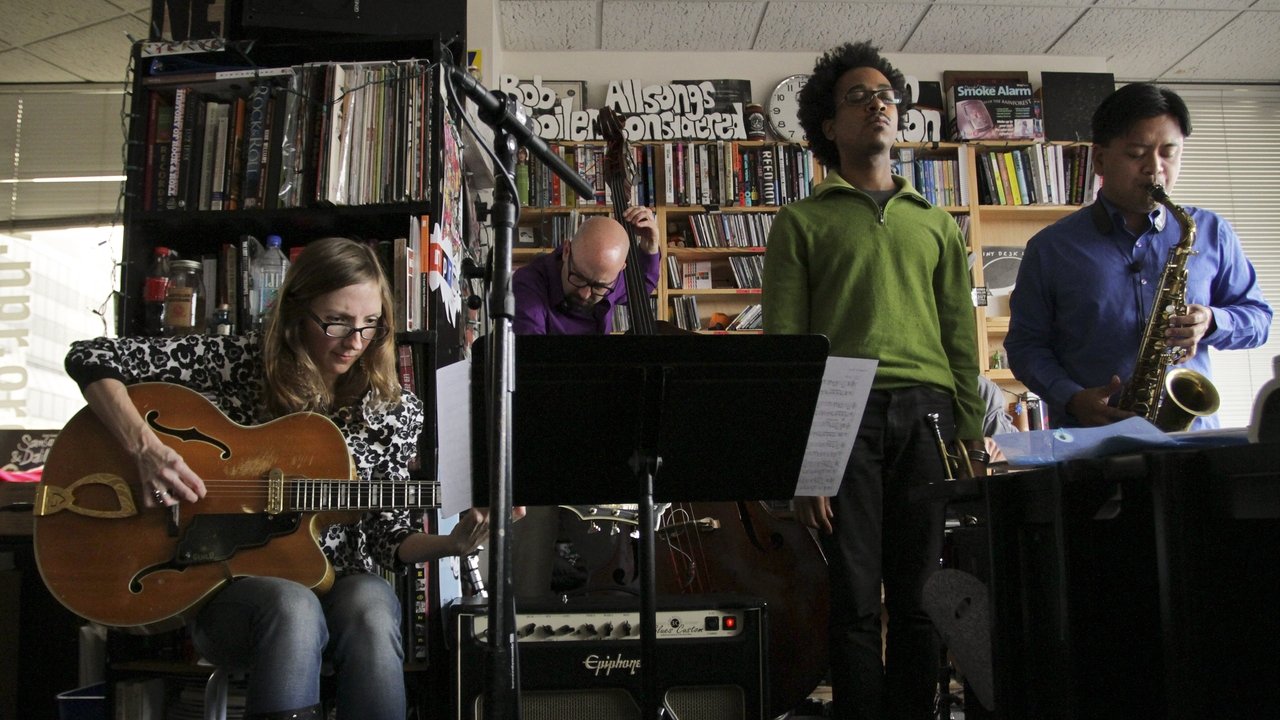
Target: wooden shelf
[[712, 253], [715, 291]]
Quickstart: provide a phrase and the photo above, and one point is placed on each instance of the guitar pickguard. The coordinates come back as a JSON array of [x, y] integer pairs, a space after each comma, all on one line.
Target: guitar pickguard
[[214, 538], [189, 434]]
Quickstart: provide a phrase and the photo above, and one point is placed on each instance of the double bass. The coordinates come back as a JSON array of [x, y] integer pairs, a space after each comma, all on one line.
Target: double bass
[[749, 548]]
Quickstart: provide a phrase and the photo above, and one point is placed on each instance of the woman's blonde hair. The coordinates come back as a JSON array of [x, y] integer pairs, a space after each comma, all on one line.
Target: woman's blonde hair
[[293, 380]]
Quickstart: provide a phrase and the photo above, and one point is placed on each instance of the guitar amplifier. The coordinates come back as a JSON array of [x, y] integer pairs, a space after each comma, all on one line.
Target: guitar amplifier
[[580, 660]]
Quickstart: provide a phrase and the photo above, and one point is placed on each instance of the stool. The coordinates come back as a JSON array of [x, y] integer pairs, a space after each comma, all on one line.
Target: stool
[[215, 690], [215, 694]]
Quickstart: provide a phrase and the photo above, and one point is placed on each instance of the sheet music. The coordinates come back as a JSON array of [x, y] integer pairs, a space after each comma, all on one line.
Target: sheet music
[[453, 432], [846, 382]]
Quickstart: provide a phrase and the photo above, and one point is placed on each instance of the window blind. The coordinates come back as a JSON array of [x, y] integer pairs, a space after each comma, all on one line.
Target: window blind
[[1230, 166], [52, 132]]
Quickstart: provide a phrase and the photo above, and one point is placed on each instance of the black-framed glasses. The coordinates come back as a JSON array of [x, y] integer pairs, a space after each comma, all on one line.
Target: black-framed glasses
[[579, 281], [862, 96], [343, 330]]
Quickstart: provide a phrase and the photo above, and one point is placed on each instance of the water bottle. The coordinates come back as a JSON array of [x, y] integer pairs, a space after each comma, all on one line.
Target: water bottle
[[268, 274], [154, 290]]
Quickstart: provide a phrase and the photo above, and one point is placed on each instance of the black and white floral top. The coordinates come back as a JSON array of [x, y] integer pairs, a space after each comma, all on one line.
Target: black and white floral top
[[229, 371]]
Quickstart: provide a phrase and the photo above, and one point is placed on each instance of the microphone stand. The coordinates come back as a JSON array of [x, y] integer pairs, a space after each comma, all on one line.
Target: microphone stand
[[502, 689]]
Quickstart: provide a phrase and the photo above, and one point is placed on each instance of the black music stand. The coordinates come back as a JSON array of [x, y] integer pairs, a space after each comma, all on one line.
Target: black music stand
[[626, 418]]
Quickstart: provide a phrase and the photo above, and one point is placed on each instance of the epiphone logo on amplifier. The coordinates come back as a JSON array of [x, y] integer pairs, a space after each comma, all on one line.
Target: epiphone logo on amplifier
[[605, 665], [581, 660]]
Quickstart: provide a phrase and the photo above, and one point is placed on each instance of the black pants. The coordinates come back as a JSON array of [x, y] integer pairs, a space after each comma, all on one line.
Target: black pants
[[880, 535]]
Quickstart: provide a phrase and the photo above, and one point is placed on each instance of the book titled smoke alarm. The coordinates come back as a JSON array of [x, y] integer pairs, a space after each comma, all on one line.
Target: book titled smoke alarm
[[994, 111]]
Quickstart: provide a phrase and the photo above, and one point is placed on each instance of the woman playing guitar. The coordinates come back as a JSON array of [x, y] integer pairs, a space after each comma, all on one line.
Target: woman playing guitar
[[327, 348]]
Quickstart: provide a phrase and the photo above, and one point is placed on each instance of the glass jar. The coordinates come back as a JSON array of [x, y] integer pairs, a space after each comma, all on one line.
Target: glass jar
[[184, 301]]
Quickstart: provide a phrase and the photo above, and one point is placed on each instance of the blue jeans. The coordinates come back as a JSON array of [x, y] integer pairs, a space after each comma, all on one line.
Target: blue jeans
[[282, 634], [879, 535]]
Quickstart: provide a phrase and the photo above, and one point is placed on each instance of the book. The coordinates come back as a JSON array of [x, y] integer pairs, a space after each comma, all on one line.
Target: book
[[235, 154], [175, 148], [256, 133], [1006, 111], [159, 139], [218, 173]]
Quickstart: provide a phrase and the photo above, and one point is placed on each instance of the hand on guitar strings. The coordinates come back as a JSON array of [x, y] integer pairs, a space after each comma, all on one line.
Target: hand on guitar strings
[[162, 470]]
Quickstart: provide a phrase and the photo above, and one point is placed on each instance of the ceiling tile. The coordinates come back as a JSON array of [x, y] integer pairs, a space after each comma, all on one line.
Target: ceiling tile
[[1178, 4], [99, 53], [1118, 34], [684, 26], [1020, 3], [989, 29], [20, 64], [137, 7], [1248, 48], [817, 26], [26, 21], [554, 25]]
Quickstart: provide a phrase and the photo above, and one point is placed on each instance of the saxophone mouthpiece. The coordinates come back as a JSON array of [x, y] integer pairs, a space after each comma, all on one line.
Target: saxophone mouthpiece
[[1157, 192]]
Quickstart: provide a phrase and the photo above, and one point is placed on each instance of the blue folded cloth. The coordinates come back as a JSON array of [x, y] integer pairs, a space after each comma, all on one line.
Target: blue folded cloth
[[1044, 447]]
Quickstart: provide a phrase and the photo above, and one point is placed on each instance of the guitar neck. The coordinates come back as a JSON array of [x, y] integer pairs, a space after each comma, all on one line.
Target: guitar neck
[[310, 495]]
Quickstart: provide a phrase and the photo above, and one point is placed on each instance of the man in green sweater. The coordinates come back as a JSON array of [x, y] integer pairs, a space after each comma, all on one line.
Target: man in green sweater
[[869, 263]]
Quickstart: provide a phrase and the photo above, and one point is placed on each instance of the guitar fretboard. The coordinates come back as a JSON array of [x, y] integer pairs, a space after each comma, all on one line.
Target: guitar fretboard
[[308, 495]]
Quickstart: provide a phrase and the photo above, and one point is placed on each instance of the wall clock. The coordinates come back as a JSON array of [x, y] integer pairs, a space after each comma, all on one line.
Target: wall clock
[[783, 107]]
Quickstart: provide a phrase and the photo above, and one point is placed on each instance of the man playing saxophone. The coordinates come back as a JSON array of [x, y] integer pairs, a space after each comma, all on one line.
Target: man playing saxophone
[[1087, 284]]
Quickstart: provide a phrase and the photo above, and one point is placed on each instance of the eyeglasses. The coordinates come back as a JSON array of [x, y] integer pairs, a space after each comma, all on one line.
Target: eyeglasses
[[343, 330], [597, 288], [862, 96]]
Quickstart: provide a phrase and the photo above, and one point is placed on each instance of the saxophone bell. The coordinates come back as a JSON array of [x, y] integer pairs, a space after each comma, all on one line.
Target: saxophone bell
[[1187, 396]]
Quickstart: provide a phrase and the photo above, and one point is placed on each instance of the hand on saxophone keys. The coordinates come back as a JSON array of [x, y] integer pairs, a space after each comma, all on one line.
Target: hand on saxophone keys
[[1186, 331]]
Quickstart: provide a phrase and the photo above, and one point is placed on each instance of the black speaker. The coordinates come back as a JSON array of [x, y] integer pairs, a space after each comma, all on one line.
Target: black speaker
[[581, 660], [446, 18]]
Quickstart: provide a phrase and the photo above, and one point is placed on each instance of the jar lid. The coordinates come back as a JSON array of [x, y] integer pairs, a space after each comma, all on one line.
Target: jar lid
[[186, 264]]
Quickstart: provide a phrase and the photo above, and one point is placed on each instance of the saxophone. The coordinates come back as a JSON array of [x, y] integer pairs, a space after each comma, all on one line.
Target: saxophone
[[1170, 398]]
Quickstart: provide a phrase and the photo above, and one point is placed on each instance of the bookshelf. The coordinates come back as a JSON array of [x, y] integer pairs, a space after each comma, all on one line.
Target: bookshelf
[[996, 225]]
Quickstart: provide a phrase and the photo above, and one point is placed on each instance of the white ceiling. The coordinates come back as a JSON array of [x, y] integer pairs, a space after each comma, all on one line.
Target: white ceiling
[[45, 41]]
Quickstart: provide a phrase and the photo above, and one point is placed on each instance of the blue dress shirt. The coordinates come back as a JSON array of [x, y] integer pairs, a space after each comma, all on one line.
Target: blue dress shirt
[[1085, 289]]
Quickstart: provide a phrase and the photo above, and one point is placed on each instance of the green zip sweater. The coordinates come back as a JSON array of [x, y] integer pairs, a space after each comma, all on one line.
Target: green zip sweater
[[890, 284]]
